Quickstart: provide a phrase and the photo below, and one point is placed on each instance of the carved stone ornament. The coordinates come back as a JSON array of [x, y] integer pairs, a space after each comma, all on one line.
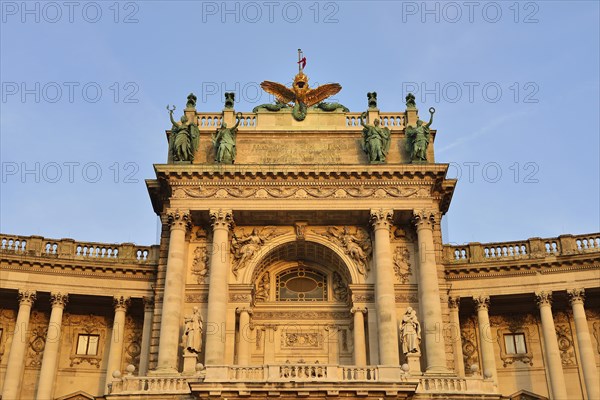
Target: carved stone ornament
[[355, 242], [263, 289], [576, 296], [121, 303], [89, 325], [482, 302], [468, 334], [38, 328], [340, 289], [381, 218], [196, 298], [402, 264], [297, 340], [301, 315], [245, 246], [543, 298], [453, 302], [200, 265], [513, 324], [363, 298], [564, 337], [221, 218], [424, 219], [27, 297], [59, 299], [303, 192], [179, 219], [133, 341]]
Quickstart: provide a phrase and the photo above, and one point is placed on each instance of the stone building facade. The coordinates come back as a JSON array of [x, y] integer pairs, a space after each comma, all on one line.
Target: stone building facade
[[289, 273]]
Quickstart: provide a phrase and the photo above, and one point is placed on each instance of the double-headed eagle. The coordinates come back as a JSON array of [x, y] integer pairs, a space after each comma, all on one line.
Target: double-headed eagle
[[300, 93]]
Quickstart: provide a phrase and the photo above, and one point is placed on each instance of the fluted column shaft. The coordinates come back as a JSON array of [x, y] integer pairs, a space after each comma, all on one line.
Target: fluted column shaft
[[429, 293], [584, 343], [170, 324], [385, 299], [554, 363], [217, 290], [482, 303], [16, 357], [51, 348], [146, 334], [360, 351], [243, 356], [459, 365], [115, 350]]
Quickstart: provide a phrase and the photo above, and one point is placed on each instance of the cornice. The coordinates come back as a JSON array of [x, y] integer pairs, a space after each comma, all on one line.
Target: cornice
[[501, 269]]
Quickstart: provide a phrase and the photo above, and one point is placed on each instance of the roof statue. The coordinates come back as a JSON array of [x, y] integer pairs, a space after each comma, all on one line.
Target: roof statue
[[300, 93]]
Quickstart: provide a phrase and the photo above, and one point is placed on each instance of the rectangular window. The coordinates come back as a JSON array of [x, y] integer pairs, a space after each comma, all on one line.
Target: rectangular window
[[87, 344], [515, 343]]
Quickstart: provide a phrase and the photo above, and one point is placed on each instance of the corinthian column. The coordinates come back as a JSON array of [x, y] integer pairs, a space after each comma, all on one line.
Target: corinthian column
[[482, 303], [429, 293], [584, 343], [168, 344], [459, 365], [217, 289], [115, 350], [385, 299], [16, 357], [51, 348], [360, 351], [552, 356]]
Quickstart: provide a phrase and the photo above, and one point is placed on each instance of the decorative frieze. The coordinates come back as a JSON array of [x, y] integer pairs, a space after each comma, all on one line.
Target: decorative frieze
[[196, 298], [307, 340], [302, 315]]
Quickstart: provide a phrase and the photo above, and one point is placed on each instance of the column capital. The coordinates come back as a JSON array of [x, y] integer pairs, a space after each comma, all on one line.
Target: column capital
[[482, 302], [576, 296], [381, 218], [240, 310], [354, 310], [148, 303], [121, 303], [424, 218], [221, 218], [27, 297], [59, 299], [454, 302], [179, 219], [543, 298]]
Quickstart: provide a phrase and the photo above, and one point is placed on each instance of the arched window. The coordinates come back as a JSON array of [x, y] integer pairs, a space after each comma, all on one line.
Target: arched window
[[301, 284]]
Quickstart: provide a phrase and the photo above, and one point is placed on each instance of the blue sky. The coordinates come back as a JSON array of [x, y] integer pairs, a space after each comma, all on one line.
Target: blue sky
[[85, 85]]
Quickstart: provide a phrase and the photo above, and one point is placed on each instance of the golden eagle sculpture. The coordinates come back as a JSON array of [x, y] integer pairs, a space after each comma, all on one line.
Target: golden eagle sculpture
[[300, 93]]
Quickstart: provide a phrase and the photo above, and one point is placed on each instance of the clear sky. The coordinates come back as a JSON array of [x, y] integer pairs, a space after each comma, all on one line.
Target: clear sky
[[85, 85]]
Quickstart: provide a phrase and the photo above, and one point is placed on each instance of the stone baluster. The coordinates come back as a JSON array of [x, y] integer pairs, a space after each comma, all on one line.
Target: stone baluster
[[482, 303], [385, 299], [146, 335], [243, 356], [50, 358], [16, 357], [429, 293], [551, 350], [360, 351], [453, 305], [217, 289], [170, 324], [584, 344], [115, 350]]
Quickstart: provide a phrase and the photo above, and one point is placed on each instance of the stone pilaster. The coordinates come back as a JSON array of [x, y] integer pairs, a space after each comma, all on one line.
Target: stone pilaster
[[243, 356], [584, 343], [168, 346], [482, 303], [146, 334], [385, 299], [429, 293], [115, 351], [453, 306], [551, 350], [16, 357], [222, 221], [50, 358], [360, 350]]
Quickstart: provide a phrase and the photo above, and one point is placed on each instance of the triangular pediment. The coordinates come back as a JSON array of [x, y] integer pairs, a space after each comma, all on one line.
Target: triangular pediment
[[526, 395], [79, 395]]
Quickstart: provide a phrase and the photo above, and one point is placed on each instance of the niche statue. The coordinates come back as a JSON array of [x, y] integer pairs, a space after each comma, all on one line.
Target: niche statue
[[224, 142], [410, 332], [184, 139], [417, 139], [192, 336], [376, 141]]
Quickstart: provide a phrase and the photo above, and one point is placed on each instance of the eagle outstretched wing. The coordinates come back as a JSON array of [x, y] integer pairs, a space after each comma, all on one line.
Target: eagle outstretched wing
[[281, 93], [320, 93]]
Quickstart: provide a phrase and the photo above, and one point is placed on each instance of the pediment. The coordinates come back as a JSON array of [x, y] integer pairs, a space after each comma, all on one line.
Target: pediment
[[79, 395]]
